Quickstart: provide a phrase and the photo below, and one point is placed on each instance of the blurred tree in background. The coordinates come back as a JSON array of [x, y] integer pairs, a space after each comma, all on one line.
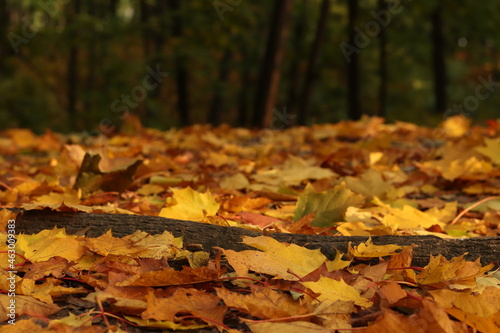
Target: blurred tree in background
[[85, 65]]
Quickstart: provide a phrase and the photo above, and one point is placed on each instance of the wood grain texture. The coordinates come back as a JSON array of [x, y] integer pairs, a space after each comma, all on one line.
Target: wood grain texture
[[208, 235]]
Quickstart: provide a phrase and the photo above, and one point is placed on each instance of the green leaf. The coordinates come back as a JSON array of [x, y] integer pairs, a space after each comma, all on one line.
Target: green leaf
[[329, 206]]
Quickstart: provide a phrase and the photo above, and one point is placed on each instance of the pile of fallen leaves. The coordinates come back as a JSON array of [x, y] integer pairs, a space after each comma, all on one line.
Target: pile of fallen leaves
[[353, 178]]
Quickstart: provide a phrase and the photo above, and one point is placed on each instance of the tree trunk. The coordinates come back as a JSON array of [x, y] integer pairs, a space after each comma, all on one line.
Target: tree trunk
[[295, 68], [72, 68], [354, 111], [221, 83], [245, 84], [313, 60], [438, 56], [268, 83], [156, 58], [144, 26], [180, 66], [113, 6], [382, 89], [209, 235], [92, 62], [4, 28]]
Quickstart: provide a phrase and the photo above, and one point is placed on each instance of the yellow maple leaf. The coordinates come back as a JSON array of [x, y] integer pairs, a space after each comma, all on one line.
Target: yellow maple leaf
[[333, 290], [370, 250], [278, 259], [50, 243], [72, 320], [237, 181], [369, 184], [457, 271], [50, 288], [293, 172], [481, 311], [492, 150], [407, 217], [456, 126], [191, 205]]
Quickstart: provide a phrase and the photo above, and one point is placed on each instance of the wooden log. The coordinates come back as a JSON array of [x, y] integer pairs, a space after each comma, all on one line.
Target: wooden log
[[208, 235]]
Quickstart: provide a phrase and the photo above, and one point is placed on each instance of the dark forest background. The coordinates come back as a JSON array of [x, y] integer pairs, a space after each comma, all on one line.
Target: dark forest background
[[74, 65]]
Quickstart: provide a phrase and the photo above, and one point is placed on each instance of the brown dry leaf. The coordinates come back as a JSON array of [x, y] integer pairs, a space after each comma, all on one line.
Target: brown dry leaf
[[289, 327], [26, 305], [164, 324], [428, 318], [245, 203], [263, 303], [259, 220], [171, 277], [54, 266], [187, 301], [391, 292]]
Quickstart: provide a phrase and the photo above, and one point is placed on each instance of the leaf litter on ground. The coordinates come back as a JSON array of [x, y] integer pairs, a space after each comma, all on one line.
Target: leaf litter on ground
[[361, 178]]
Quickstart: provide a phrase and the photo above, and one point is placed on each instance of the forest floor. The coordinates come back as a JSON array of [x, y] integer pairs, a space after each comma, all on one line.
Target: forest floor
[[351, 179]]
